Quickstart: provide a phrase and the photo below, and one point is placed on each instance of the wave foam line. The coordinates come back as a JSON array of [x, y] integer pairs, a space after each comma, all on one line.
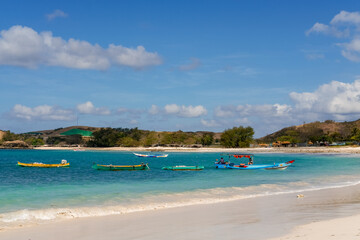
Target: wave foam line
[[211, 196]]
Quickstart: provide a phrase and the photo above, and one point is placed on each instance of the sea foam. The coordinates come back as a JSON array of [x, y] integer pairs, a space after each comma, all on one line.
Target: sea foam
[[168, 200]]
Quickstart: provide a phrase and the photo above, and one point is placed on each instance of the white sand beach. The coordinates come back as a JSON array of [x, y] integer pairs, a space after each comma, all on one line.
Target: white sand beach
[[336, 149], [323, 214]]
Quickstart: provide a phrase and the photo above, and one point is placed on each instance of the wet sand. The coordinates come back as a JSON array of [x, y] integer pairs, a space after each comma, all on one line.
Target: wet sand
[[317, 215]]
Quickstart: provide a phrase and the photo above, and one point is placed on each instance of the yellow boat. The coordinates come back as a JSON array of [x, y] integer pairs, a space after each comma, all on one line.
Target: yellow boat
[[63, 163]]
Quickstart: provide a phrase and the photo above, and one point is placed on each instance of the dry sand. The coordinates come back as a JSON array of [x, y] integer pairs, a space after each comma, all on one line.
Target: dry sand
[[270, 217], [339, 150], [347, 228]]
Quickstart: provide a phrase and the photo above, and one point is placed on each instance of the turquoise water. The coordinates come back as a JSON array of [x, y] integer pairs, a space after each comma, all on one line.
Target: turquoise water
[[36, 194]]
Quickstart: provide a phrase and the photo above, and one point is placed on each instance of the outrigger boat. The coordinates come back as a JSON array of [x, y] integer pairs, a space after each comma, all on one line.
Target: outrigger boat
[[63, 163], [111, 167], [151, 155], [183, 168], [250, 164]]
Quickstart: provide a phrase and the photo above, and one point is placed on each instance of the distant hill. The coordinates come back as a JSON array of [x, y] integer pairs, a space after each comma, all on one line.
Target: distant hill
[[109, 137], [60, 131], [329, 130]]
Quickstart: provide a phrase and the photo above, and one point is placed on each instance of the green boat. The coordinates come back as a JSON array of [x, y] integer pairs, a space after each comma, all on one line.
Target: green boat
[[184, 168], [111, 167]]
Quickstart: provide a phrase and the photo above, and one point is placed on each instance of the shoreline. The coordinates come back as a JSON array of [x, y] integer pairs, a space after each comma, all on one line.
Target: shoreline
[[255, 218], [274, 217], [335, 150]]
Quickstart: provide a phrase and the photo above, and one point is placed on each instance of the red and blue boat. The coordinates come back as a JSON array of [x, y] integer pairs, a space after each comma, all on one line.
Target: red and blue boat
[[249, 164]]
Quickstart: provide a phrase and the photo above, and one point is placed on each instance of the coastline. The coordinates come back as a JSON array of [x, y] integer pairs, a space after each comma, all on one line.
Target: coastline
[[275, 217], [335, 150]]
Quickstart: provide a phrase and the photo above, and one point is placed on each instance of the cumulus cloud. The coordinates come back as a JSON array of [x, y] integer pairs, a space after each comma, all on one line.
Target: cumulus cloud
[[275, 110], [343, 24], [89, 108], [195, 63], [335, 98], [185, 111], [43, 112], [24, 47], [56, 14], [346, 17]]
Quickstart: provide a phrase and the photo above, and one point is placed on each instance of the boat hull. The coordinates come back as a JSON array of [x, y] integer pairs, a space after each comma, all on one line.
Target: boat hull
[[120, 167], [275, 166], [184, 168], [151, 155], [43, 165]]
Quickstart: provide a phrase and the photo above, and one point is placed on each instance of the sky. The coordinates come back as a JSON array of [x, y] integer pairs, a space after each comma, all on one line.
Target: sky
[[178, 65]]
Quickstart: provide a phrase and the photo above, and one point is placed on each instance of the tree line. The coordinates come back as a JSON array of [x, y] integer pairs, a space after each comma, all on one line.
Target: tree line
[[134, 137]]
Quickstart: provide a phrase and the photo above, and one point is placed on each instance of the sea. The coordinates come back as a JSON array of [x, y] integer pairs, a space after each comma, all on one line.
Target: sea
[[39, 195]]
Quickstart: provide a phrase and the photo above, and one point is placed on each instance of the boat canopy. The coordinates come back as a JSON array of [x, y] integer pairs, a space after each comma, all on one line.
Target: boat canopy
[[241, 156], [238, 155]]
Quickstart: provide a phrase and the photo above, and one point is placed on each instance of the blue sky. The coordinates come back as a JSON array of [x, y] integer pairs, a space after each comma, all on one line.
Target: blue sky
[[178, 65]]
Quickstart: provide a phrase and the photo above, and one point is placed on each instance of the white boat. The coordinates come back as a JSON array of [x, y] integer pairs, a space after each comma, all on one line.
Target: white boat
[[151, 155]]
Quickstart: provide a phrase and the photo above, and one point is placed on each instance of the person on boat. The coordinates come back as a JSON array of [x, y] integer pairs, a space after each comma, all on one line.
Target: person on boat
[[251, 162], [222, 161]]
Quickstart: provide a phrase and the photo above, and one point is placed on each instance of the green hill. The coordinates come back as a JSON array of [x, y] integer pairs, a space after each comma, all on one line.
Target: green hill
[[329, 131]]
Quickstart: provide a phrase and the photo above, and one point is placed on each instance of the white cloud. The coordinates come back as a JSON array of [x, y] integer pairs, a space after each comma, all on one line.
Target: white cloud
[[352, 50], [43, 112], [318, 28], [24, 47], [275, 110], [195, 63], [210, 123], [224, 111], [185, 111], [136, 58], [335, 98], [346, 17], [89, 108], [328, 30], [133, 122], [343, 24], [154, 110], [56, 14], [336, 101]]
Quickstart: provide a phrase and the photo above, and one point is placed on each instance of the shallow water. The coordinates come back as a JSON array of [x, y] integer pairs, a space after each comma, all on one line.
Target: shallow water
[[36, 194]]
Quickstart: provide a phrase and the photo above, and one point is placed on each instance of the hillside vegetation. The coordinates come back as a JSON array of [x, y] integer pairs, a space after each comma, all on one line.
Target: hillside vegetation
[[328, 131], [237, 137]]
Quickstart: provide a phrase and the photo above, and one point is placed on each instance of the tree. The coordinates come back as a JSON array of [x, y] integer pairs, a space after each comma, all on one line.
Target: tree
[[35, 141], [237, 137], [127, 142], [150, 139], [207, 139], [9, 136]]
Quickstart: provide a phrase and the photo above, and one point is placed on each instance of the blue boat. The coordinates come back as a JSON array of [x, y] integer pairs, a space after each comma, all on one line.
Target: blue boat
[[249, 165]]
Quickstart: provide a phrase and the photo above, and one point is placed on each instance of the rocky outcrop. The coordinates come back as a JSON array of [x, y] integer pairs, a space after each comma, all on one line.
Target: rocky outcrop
[[2, 133], [17, 144]]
